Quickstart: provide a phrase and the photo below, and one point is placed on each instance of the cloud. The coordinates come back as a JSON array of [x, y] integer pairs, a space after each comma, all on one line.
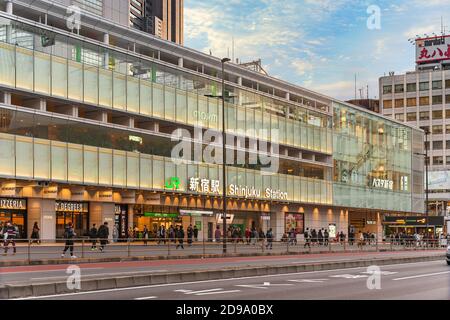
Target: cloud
[[302, 67]]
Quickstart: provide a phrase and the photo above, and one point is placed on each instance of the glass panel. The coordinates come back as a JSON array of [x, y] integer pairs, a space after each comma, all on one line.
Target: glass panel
[[169, 103], [202, 114], [7, 67], [119, 90], [59, 161], [213, 113], [90, 165], [41, 72], [41, 159], [90, 84], [75, 81], [75, 163], [146, 98], [133, 94], [59, 77], [132, 170], [158, 100], [105, 166], [105, 88], [181, 106], [158, 173], [146, 172], [119, 168], [7, 154], [24, 157], [182, 175], [24, 63], [192, 109]]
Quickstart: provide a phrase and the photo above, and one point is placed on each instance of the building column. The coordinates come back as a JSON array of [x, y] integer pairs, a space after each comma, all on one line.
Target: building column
[[9, 7], [43, 212], [6, 97], [130, 216], [106, 54], [180, 62], [277, 224]]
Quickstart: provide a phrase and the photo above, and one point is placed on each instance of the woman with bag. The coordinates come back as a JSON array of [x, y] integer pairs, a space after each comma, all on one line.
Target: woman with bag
[[35, 234]]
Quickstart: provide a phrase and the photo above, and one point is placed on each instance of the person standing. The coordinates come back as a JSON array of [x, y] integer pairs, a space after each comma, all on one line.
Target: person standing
[[69, 235], [247, 235], [195, 233], [10, 233], [35, 234], [93, 236], [307, 238], [217, 234], [163, 234], [115, 233], [326, 238], [190, 234], [145, 235], [180, 236], [172, 234], [269, 237], [103, 233]]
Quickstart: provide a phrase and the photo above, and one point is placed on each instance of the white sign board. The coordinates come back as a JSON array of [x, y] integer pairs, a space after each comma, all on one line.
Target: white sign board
[[432, 49]]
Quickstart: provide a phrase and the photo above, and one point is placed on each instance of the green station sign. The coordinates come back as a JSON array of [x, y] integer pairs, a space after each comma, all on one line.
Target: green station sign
[[161, 215]]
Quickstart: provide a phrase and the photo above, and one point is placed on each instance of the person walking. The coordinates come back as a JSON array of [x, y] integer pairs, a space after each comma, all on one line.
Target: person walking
[[163, 234], [103, 233], [360, 239], [269, 237], [313, 236], [10, 233], [195, 233], [307, 238], [217, 234], [320, 237], [172, 234], [35, 234], [190, 234], [93, 237], [326, 238], [180, 236], [69, 235], [145, 235], [247, 235]]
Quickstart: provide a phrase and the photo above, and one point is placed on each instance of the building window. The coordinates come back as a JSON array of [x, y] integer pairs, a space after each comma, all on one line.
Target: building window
[[424, 115], [399, 88], [387, 104], [387, 89], [399, 103], [411, 87], [411, 116], [438, 160], [447, 128], [424, 86], [437, 145], [438, 114], [437, 100], [447, 144], [437, 129], [424, 101], [447, 83], [411, 102], [437, 85], [447, 98], [400, 117], [448, 159]]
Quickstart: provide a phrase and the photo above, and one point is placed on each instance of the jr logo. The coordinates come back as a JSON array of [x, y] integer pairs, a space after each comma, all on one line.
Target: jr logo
[[173, 183]]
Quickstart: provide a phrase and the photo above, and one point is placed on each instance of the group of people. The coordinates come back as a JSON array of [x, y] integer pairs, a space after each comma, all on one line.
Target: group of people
[[250, 235], [417, 239]]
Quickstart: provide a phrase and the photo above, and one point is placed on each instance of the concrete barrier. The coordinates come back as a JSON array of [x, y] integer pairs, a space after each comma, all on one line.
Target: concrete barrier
[[36, 290]]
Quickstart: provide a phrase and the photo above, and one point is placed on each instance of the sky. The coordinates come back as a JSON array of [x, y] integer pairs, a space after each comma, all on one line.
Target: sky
[[317, 44]]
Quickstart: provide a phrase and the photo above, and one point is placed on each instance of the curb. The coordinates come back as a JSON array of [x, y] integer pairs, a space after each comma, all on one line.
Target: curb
[[58, 261], [36, 290]]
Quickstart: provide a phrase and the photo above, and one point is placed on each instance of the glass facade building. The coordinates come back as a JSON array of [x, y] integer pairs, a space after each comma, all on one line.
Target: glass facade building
[[85, 120]]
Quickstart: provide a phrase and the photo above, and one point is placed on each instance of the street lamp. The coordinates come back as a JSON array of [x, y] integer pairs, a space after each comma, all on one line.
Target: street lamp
[[224, 195], [427, 132]]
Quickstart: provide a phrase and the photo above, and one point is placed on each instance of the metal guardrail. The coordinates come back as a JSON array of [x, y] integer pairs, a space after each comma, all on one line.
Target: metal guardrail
[[32, 249]]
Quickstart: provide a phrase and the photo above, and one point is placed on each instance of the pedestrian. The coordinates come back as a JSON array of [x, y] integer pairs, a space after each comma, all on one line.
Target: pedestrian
[[145, 235], [342, 238], [69, 235], [93, 236], [195, 233], [320, 237], [115, 233], [190, 234], [326, 238], [360, 239], [172, 234], [217, 234], [307, 238], [35, 234], [136, 232], [313, 236], [261, 235], [180, 236], [10, 233], [103, 233], [163, 234], [130, 234], [269, 237], [247, 235]]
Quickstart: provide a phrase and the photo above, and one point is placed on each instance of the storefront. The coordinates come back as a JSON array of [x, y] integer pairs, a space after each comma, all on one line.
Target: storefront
[[121, 220], [15, 211], [75, 212], [412, 225], [154, 217]]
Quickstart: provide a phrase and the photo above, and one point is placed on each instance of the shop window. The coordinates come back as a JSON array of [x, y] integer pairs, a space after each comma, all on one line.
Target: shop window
[[399, 88], [411, 116], [437, 145], [387, 104], [424, 115], [437, 114], [387, 89], [437, 85], [424, 101], [411, 102], [438, 160], [424, 86], [399, 103], [437, 100], [411, 87]]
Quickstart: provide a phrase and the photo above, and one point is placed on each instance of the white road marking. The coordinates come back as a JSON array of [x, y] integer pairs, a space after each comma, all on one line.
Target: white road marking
[[310, 280], [422, 276], [349, 276], [218, 292], [251, 286], [146, 298], [210, 281], [382, 273], [203, 291]]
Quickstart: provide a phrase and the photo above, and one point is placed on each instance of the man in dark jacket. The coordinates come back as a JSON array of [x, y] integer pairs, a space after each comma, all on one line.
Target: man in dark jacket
[[195, 233], [103, 233], [180, 236], [10, 233], [93, 236], [69, 235], [190, 234]]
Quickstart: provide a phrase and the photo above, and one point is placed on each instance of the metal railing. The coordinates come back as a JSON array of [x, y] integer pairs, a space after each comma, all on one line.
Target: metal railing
[[32, 249]]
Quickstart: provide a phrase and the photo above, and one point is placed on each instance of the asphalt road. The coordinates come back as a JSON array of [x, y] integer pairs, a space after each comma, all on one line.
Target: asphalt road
[[423, 281]]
